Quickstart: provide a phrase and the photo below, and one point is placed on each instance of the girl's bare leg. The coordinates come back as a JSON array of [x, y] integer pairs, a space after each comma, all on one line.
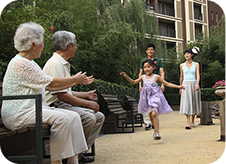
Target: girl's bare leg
[[151, 118], [155, 120]]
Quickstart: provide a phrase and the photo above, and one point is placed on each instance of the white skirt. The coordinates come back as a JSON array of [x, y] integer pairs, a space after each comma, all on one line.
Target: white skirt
[[190, 102]]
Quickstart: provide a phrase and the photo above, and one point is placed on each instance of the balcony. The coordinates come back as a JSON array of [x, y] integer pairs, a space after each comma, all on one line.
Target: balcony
[[198, 16], [163, 31], [163, 9]]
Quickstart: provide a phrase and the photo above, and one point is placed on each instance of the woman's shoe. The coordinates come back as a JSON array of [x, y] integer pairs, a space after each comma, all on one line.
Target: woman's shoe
[[187, 127]]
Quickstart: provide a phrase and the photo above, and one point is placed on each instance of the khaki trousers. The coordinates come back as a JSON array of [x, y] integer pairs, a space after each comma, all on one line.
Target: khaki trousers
[[92, 122]]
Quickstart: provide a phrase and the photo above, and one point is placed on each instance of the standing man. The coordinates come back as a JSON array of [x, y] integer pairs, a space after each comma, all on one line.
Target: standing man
[[65, 45], [150, 50]]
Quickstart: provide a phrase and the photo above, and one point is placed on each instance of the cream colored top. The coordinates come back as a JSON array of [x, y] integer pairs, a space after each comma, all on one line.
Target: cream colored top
[[56, 66], [22, 77]]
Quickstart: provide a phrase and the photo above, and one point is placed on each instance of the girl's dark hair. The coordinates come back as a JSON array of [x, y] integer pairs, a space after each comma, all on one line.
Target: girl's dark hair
[[151, 62]]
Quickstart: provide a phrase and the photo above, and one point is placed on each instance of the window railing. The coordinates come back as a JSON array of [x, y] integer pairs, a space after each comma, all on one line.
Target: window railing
[[198, 15], [166, 10], [167, 32]]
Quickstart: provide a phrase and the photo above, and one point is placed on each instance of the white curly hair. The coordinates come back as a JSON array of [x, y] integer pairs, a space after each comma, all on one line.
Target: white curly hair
[[27, 34]]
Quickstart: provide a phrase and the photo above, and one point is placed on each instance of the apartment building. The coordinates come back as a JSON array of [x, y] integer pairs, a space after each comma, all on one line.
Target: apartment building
[[215, 13], [180, 21]]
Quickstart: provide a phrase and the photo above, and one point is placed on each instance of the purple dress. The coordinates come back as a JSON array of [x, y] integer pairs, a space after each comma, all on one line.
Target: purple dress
[[152, 98]]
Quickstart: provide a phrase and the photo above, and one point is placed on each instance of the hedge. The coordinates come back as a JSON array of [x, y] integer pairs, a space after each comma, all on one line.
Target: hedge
[[207, 94]]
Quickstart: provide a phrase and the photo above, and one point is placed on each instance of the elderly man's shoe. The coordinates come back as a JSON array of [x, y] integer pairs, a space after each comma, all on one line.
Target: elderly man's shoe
[[86, 160]]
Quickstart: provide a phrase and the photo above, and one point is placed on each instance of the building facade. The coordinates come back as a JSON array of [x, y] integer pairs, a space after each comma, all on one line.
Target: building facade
[[180, 21], [215, 13]]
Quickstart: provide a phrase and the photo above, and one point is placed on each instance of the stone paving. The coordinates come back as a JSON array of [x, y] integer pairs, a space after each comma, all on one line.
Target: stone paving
[[177, 146]]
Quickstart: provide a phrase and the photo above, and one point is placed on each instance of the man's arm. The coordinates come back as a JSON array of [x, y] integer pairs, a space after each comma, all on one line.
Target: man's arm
[[89, 95], [76, 101]]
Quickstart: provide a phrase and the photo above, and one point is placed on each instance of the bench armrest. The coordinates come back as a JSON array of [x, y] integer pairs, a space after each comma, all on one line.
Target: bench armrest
[[38, 107]]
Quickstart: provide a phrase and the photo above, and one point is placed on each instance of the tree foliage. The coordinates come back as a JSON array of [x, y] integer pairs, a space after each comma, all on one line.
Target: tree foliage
[[110, 34], [212, 54]]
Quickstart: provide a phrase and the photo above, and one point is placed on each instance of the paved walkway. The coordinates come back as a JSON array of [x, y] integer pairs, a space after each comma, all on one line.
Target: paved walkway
[[177, 146]]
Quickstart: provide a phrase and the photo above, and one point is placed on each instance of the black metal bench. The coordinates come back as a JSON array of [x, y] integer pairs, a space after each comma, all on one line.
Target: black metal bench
[[111, 106], [138, 118]]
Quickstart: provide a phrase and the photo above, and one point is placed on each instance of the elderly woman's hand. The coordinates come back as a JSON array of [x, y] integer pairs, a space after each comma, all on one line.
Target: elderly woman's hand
[[81, 78], [88, 80]]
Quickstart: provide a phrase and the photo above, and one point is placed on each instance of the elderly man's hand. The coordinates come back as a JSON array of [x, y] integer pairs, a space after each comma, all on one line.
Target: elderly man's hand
[[92, 95], [94, 106]]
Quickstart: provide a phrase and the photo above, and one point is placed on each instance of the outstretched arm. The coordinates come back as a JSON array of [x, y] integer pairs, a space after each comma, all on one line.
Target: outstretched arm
[[140, 74], [171, 85], [131, 80]]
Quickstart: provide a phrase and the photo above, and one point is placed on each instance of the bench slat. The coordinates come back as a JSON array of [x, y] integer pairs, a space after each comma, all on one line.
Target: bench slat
[[115, 106], [3, 129], [7, 134], [118, 110]]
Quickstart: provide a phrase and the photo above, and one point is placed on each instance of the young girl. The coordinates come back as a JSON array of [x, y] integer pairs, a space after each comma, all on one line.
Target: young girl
[[190, 103], [152, 101]]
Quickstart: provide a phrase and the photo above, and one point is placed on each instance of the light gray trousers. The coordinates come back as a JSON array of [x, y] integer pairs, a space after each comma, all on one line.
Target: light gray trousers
[[67, 138], [92, 122], [147, 120]]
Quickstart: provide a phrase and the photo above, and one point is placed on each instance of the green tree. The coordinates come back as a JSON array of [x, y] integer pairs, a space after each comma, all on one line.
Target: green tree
[[110, 34], [213, 54]]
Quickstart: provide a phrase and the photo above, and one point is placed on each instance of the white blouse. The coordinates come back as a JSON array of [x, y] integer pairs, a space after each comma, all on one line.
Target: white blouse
[[22, 77]]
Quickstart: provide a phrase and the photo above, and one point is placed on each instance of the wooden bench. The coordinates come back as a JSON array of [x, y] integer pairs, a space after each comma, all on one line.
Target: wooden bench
[[138, 118], [18, 145], [111, 106]]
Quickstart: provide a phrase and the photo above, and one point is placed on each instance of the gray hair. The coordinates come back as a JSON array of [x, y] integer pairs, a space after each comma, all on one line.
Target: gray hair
[[27, 34], [61, 39]]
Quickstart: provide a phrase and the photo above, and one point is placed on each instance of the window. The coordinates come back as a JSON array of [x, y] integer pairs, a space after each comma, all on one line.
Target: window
[[211, 15], [216, 17]]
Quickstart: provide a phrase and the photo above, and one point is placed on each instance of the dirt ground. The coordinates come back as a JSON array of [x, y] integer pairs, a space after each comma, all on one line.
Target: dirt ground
[[177, 146]]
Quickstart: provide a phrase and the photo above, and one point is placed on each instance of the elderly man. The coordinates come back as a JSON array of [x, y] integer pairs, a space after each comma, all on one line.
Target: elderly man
[[65, 45]]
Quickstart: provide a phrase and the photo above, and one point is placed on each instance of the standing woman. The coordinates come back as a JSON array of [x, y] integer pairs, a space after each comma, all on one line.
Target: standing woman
[[23, 76], [190, 103]]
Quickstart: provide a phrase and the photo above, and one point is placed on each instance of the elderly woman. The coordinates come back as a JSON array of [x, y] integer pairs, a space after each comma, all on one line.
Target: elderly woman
[[24, 76]]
